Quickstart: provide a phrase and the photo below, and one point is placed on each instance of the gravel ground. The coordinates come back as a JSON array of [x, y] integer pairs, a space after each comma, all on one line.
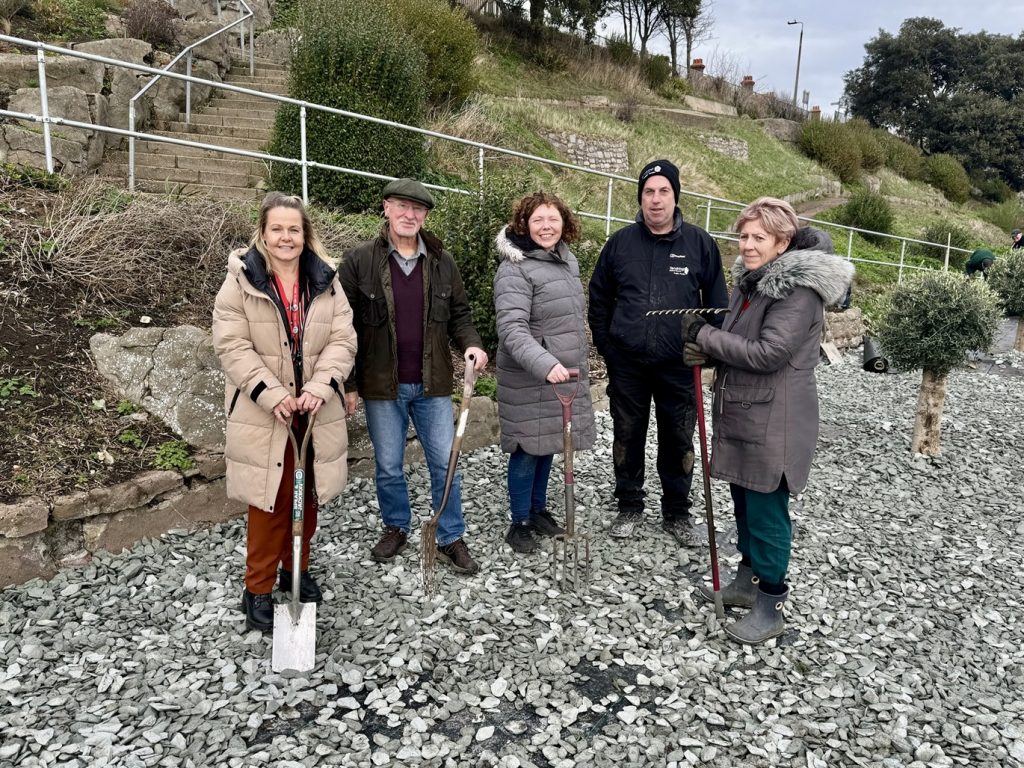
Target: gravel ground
[[902, 648]]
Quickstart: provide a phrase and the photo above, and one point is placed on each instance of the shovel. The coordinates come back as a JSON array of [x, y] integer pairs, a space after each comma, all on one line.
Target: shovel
[[716, 582], [428, 531], [295, 621], [569, 569]]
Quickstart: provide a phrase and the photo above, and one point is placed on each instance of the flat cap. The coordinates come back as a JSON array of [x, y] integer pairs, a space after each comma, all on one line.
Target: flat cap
[[409, 189]]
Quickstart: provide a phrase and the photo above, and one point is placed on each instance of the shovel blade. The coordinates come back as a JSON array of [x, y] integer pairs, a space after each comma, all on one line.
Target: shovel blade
[[294, 638]]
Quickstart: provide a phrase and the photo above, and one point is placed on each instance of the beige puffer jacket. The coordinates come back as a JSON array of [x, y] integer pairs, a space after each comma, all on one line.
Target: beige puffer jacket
[[252, 342]]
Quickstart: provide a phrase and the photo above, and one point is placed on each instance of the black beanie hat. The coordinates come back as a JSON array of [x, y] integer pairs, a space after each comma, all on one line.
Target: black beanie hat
[[658, 168]]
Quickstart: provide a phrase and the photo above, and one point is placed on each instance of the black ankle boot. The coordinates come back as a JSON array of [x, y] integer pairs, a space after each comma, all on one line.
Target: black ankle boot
[[309, 590], [259, 611]]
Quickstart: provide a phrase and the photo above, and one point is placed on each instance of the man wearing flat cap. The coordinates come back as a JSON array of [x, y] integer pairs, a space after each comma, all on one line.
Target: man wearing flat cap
[[659, 262], [1018, 239], [408, 306]]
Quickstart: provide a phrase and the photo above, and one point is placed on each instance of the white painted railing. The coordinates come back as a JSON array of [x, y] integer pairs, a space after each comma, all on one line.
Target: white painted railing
[[701, 203]]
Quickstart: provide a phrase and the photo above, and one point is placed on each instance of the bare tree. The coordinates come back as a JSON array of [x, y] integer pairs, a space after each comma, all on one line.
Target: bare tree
[[626, 12], [646, 16], [696, 28]]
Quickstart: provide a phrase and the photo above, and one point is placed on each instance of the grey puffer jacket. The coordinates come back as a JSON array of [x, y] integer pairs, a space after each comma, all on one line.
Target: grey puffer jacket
[[766, 403], [539, 304]]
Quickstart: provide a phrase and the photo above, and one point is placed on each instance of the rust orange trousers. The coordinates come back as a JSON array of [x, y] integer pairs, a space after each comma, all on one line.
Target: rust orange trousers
[[269, 534]]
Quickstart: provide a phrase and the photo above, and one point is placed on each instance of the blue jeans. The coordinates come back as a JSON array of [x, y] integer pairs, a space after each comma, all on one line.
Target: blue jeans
[[388, 422], [527, 483]]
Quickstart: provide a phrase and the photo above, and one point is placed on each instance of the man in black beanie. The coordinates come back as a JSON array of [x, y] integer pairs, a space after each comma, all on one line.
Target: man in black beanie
[[660, 262]]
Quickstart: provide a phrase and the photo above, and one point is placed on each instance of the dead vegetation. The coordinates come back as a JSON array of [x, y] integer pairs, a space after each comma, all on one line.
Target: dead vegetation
[[80, 258]]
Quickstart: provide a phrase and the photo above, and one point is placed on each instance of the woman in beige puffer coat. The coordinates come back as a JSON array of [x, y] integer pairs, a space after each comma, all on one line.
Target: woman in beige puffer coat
[[282, 328]]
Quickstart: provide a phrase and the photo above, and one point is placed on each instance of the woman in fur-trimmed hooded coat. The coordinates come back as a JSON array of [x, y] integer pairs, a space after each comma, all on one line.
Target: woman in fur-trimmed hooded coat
[[538, 299], [765, 416]]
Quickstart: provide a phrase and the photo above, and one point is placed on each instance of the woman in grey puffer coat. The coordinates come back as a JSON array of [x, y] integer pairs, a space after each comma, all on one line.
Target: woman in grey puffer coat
[[766, 403], [539, 304]]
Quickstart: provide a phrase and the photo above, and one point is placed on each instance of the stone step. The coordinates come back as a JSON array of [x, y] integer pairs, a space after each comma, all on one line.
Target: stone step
[[215, 139], [242, 62], [182, 175], [240, 120], [243, 194], [217, 161], [266, 115], [245, 77], [263, 86], [152, 147], [217, 132], [241, 101]]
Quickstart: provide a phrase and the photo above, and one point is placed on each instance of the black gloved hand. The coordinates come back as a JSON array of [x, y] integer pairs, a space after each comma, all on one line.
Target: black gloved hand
[[691, 325], [693, 355]]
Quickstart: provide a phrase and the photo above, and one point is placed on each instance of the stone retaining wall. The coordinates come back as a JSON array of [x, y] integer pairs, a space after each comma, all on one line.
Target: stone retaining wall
[[608, 155], [38, 536], [845, 329]]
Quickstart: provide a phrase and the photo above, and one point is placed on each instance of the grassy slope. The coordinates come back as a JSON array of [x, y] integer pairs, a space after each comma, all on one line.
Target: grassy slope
[[773, 168]]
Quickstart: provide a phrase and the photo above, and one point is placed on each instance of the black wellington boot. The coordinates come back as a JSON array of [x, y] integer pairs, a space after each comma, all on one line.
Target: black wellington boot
[[741, 592]]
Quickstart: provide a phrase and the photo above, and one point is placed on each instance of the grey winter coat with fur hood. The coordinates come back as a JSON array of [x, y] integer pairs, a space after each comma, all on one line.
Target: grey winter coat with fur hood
[[766, 403], [539, 304]]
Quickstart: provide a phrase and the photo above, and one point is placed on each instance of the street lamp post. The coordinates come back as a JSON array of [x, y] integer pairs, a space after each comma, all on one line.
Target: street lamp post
[[799, 52]]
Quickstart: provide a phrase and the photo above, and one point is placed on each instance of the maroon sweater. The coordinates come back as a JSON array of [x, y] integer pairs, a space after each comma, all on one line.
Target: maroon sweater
[[408, 293]]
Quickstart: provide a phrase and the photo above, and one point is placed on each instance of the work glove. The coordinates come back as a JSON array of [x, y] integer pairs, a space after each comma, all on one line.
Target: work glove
[[693, 355], [691, 325]]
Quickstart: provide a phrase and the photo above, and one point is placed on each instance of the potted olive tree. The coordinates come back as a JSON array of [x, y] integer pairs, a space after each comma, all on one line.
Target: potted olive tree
[[930, 322], [1006, 278]]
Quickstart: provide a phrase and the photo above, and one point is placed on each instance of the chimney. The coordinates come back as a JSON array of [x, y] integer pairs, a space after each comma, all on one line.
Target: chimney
[[747, 82], [697, 67], [815, 112]]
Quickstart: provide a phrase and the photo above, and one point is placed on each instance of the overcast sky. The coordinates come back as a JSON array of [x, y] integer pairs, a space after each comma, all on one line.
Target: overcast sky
[[753, 35]]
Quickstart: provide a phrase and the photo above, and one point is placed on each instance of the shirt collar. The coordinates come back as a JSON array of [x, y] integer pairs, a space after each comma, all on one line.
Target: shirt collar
[[421, 249]]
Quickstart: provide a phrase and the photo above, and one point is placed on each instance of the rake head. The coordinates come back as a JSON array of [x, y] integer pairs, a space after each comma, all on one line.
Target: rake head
[[570, 562]]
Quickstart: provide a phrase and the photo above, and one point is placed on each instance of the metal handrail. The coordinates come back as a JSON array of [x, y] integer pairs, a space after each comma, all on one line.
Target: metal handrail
[[306, 163], [245, 13]]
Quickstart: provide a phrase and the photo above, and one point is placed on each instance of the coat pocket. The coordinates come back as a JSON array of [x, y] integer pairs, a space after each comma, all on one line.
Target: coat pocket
[[745, 413], [440, 303], [374, 309]]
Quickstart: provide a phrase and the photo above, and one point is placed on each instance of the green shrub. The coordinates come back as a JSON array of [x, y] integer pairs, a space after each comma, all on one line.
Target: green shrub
[[285, 13], [70, 20], [352, 55], [872, 153], [486, 386], [449, 40], [832, 146], [868, 210], [901, 157], [467, 229], [675, 88], [657, 71], [932, 319], [1007, 216], [992, 188], [150, 20], [959, 237], [620, 51], [1006, 278], [946, 174]]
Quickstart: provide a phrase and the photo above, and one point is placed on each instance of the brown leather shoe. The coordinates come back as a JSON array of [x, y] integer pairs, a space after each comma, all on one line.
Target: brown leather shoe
[[391, 543], [457, 556]]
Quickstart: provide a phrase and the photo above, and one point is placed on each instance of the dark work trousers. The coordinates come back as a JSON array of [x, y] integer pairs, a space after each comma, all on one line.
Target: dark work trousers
[[269, 534], [631, 387], [764, 531]]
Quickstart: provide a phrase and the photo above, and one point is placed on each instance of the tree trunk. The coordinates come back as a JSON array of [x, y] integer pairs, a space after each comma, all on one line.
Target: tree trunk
[[537, 12], [1018, 341], [688, 34], [673, 48], [928, 417]]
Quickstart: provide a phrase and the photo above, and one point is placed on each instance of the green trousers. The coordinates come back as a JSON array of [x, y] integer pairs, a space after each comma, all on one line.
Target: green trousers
[[764, 532]]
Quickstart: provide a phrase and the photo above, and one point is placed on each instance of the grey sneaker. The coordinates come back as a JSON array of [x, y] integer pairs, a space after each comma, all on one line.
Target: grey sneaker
[[624, 524], [682, 531]]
